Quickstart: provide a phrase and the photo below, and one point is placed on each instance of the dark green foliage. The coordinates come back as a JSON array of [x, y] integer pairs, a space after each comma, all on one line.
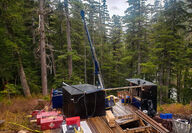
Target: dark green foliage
[[151, 42]]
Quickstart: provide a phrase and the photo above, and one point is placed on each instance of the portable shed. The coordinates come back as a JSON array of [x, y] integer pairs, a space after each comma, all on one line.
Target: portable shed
[[147, 93], [83, 100]]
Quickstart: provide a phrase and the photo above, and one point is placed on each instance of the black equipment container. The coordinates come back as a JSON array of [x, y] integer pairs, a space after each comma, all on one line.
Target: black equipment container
[[83, 100], [148, 94]]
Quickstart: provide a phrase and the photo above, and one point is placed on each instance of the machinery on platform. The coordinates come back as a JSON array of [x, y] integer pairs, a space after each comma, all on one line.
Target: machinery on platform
[[144, 97], [73, 125], [109, 100]]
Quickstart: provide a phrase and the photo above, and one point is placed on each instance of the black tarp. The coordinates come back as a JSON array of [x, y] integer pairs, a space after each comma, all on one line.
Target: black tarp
[[138, 81], [83, 100]]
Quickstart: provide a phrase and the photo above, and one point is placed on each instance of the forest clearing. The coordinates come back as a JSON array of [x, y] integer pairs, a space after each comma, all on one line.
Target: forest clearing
[[96, 66]]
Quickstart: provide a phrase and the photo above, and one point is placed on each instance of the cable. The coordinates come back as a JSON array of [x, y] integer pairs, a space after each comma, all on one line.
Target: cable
[[95, 104], [37, 131], [78, 98], [85, 106]]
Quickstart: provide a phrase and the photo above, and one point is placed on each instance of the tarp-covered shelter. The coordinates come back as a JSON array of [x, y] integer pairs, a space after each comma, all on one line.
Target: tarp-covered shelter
[[147, 93], [83, 100]]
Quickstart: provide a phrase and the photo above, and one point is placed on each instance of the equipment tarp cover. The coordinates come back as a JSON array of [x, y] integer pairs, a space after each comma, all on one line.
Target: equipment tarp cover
[[81, 89], [138, 81]]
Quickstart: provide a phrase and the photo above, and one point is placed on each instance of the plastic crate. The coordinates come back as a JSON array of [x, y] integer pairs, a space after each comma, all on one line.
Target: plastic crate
[[51, 123], [73, 121], [163, 116], [166, 116], [169, 116], [122, 100], [44, 115], [57, 99]]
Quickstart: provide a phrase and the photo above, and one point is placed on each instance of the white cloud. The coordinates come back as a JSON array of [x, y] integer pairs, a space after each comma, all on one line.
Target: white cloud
[[117, 7]]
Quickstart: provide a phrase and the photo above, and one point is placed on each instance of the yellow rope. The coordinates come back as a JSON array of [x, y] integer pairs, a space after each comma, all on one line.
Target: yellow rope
[[37, 131]]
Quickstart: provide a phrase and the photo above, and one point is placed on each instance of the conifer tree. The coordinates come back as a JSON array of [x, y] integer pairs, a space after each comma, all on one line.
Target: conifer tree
[[135, 19]]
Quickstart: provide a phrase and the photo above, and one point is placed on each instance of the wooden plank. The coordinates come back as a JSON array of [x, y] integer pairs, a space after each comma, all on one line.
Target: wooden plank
[[126, 116], [120, 110], [152, 122], [122, 122], [138, 129], [85, 127], [122, 88], [126, 119], [116, 129], [91, 126], [138, 98], [110, 118], [141, 122], [100, 125]]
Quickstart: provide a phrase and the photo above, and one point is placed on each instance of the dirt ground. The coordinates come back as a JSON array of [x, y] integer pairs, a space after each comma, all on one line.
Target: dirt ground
[[15, 113], [178, 110]]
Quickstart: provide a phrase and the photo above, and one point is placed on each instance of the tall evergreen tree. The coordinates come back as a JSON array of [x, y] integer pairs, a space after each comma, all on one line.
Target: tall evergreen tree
[[135, 19]]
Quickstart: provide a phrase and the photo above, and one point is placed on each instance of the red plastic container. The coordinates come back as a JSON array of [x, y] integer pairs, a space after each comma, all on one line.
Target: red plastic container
[[35, 112], [44, 115], [73, 120], [51, 122]]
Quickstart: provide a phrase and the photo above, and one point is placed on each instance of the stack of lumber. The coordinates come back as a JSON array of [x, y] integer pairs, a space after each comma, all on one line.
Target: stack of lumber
[[110, 118]]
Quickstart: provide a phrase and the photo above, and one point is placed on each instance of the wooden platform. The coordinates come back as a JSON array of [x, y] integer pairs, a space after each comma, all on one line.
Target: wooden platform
[[100, 125], [120, 110], [123, 114]]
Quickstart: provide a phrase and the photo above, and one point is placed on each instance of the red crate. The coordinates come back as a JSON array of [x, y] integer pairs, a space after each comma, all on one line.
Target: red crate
[[73, 120], [51, 122], [35, 112], [45, 114]]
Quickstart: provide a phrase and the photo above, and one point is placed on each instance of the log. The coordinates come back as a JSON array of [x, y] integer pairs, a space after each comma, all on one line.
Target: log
[[122, 88]]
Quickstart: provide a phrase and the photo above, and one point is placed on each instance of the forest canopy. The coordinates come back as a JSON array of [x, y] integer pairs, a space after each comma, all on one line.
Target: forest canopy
[[43, 43]]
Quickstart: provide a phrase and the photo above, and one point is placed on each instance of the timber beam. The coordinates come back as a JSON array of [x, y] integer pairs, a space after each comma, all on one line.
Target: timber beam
[[122, 88], [138, 129]]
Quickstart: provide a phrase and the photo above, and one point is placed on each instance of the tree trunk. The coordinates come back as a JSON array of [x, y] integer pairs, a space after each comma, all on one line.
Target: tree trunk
[[42, 48], [161, 84], [53, 62], [139, 60], [168, 80], [23, 79], [139, 45], [33, 30], [69, 48], [179, 85]]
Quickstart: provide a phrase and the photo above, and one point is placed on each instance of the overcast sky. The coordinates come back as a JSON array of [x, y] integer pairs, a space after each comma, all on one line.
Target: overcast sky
[[117, 7]]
